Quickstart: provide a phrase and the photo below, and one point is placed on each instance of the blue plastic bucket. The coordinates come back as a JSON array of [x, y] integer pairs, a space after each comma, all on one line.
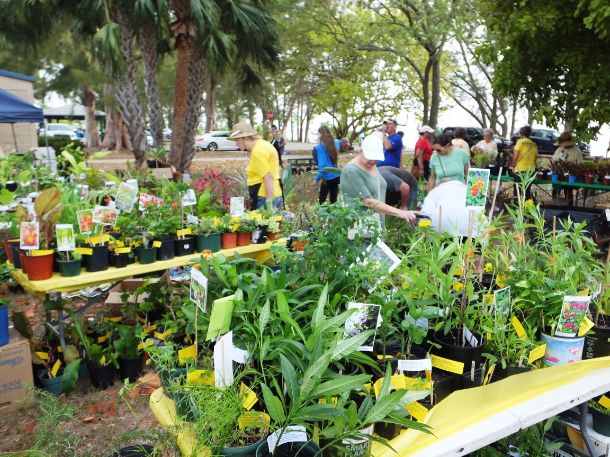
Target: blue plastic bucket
[[561, 350], [3, 325]]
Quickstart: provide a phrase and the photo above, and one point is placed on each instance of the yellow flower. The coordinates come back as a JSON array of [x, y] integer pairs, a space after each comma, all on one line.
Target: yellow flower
[[459, 272], [458, 286], [234, 219], [501, 281], [488, 299], [425, 223], [488, 267], [529, 203], [234, 227]]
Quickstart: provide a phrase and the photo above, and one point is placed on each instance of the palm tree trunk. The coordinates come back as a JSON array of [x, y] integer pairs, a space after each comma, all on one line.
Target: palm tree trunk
[[150, 59], [110, 135], [127, 89], [210, 105], [93, 137], [180, 102]]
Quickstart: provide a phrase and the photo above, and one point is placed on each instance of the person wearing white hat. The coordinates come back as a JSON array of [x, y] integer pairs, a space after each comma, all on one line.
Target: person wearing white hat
[[263, 169], [362, 184], [423, 153]]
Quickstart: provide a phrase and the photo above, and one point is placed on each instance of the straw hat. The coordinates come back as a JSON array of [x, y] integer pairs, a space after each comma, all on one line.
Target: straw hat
[[242, 130], [565, 140]]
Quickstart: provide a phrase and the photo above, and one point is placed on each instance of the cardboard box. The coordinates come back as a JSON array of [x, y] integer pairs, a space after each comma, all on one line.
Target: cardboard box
[[15, 373], [127, 285]]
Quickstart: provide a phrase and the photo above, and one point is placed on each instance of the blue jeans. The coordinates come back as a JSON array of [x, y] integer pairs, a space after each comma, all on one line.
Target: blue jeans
[[278, 203]]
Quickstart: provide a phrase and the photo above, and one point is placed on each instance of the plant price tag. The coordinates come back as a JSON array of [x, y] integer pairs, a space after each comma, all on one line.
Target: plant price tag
[[150, 328], [291, 434], [447, 365], [103, 338], [165, 334], [248, 395], [417, 410], [536, 353], [55, 368], [200, 377], [604, 401], [84, 251], [469, 336], [489, 374], [42, 355], [518, 327], [122, 250], [187, 354], [415, 365], [186, 231], [146, 344], [156, 244], [585, 325], [253, 419]]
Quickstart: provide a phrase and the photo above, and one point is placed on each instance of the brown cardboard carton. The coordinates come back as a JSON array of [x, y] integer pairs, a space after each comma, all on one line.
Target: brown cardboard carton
[[15, 373], [130, 286]]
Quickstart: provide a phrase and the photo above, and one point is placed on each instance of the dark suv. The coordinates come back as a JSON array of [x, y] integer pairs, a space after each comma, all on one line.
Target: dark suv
[[475, 134], [545, 139]]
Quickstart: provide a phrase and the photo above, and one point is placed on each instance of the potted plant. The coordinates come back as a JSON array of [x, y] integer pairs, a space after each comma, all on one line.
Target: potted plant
[[163, 221], [157, 158], [126, 347], [247, 225], [229, 226], [589, 171], [207, 234], [597, 342], [69, 263], [601, 417]]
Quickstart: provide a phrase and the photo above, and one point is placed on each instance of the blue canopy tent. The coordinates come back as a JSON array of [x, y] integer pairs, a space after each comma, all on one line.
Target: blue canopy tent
[[13, 109]]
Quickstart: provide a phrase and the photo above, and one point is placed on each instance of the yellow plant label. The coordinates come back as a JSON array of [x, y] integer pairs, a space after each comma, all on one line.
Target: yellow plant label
[[146, 344], [59, 349], [604, 401], [42, 355], [94, 240], [447, 365], [84, 251], [417, 410], [103, 338], [489, 373], [187, 354], [518, 327], [248, 395], [165, 334], [119, 244], [186, 231], [156, 244], [41, 252], [103, 360], [122, 250], [114, 319], [536, 353], [382, 357], [200, 377], [488, 336], [585, 325], [150, 328], [55, 368], [256, 419], [398, 381], [583, 293]]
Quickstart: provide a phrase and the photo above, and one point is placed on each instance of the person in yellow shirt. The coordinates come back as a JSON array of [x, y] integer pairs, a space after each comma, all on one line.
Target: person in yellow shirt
[[263, 169], [525, 154]]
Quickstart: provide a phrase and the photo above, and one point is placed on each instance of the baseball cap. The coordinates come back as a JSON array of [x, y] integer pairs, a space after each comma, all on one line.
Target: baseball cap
[[426, 129], [372, 147], [393, 121]]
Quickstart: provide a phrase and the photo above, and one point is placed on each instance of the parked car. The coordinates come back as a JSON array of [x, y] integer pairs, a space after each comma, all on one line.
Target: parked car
[[167, 133], [545, 139], [475, 134], [216, 140], [58, 130]]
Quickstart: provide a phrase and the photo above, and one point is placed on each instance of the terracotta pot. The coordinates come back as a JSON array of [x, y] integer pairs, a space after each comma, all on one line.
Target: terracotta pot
[[244, 238], [40, 267], [23, 260], [588, 179], [228, 240], [272, 236]]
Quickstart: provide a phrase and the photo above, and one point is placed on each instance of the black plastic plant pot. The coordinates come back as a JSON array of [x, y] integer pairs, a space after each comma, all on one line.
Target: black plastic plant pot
[[11, 186], [184, 246], [166, 251], [465, 354], [102, 377], [494, 170], [69, 268], [597, 343], [387, 430], [601, 422], [208, 242], [146, 255], [98, 260], [503, 373], [130, 368], [152, 163], [242, 451], [16, 259], [308, 449], [121, 260], [136, 450]]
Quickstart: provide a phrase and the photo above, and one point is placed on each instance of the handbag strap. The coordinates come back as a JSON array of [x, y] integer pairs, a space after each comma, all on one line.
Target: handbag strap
[[441, 162]]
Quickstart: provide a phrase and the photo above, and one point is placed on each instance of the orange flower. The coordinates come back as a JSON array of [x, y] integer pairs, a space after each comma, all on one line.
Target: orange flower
[[470, 254], [551, 261], [174, 205]]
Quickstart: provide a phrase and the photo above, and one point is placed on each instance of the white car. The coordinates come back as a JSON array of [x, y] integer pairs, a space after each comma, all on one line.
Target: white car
[[59, 130], [216, 140]]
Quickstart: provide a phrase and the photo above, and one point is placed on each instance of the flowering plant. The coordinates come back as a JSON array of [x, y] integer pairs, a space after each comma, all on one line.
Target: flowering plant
[[162, 219], [207, 226], [229, 224]]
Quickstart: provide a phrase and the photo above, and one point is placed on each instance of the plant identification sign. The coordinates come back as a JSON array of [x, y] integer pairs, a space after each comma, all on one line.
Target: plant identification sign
[[366, 317], [236, 206], [477, 185], [65, 237], [199, 289], [573, 311]]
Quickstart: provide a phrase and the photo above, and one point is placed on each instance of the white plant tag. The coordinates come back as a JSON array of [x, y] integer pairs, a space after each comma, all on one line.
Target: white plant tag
[[468, 336], [240, 355], [223, 361], [290, 434], [415, 365]]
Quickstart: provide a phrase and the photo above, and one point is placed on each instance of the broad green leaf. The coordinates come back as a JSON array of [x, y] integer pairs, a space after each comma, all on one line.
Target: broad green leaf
[[313, 374], [349, 345], [70, 376], [263, 318], [318, 315], [340, 385], [387, 379], [284, 312], [274, 405], [392, 402], [290, 379], [318, 413]]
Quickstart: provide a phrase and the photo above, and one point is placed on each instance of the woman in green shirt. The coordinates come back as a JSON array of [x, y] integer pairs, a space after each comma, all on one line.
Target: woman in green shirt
[[448, 163], [361, 182]]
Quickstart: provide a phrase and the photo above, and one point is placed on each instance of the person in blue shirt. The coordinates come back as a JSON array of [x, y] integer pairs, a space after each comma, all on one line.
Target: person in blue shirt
[[392, 145], [325, 154]]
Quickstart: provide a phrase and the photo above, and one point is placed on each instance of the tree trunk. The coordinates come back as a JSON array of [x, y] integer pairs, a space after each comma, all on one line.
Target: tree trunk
[[210, 105], [150, 59], [435, 98], [92, 134], [308, 118], [110, 136], [180, 102], [127, 89], [197, 72]]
